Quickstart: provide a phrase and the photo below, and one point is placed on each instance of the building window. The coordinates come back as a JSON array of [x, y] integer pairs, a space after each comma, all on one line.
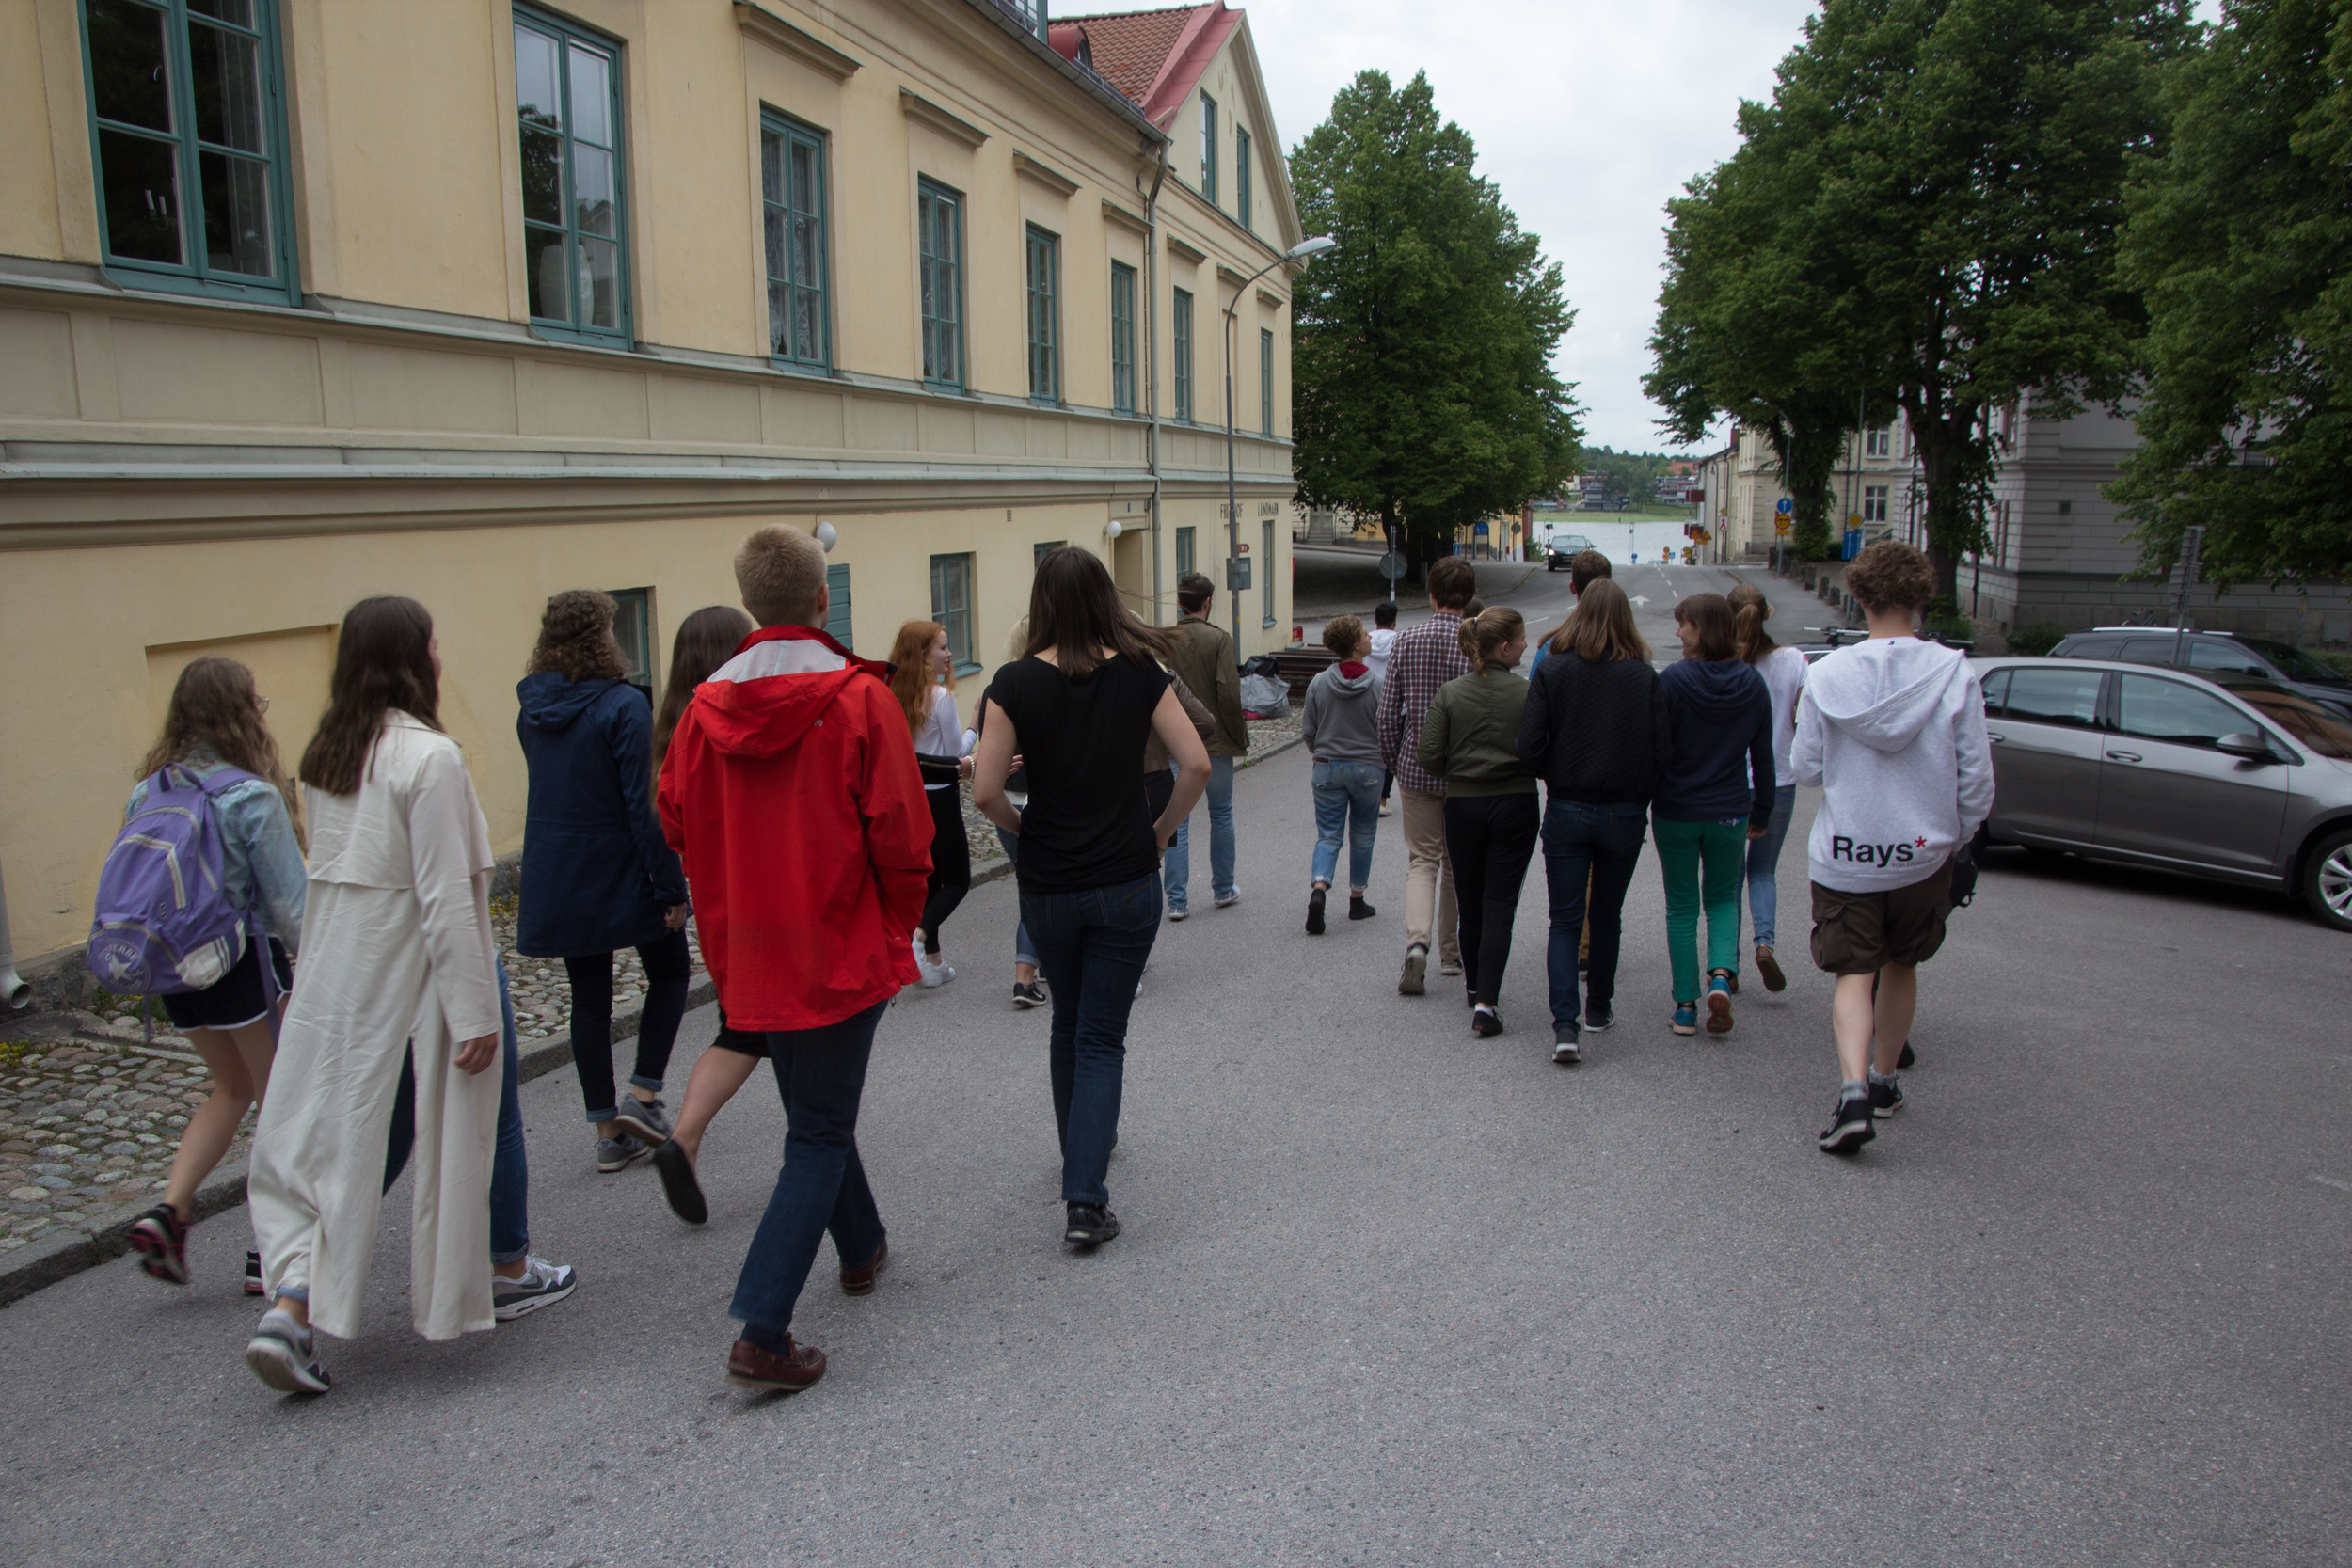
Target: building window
[[1208, 148], [1880, 442], [1122, 338], [1873, 503], [187, 126], [1266, 381], [1180, 330], [939, 223], [951, 606], [838, 605], [1265, 572], [792, 208], [567, 91], [1241, 175], [1187, 550], [1043, 548], [1045, 315], [632, 629]]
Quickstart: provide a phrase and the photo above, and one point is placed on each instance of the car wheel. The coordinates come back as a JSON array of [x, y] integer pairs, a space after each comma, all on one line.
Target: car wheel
[[2328, 879]]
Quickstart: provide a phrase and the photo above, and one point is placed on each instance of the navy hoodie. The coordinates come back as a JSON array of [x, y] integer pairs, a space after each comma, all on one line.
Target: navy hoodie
[[597, 875], [1721, 715]]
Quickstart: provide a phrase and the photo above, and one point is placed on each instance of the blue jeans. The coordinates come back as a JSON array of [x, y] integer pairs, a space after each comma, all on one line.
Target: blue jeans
[[822, 1074], [1024, 950], [1596, 846], [1092, 946], [510, 1173], [1347, 799], [1763, 861], [1178, 867]]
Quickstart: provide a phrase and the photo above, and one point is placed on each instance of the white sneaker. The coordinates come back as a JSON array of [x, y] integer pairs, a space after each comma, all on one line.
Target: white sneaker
[[935, 973], [542, 1284]]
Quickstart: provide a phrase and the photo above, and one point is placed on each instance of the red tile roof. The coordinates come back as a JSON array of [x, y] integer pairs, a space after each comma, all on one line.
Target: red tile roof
[[1154, 57]]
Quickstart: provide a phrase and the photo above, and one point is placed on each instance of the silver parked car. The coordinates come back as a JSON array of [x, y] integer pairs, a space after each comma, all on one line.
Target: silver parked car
[[2210, 774]]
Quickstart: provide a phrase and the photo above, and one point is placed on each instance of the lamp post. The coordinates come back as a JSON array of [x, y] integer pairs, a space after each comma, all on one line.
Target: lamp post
[[1304, 250]]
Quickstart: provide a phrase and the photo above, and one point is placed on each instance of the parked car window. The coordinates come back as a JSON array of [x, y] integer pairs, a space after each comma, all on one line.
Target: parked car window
[[2297, 665], [1995, 688], [2053, 696], [2140, 650], [2225, 656], [2305, 720], [2158, 709]]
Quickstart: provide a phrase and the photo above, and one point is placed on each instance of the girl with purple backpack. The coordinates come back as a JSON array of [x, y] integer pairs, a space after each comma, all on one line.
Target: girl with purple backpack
[[213, 728]]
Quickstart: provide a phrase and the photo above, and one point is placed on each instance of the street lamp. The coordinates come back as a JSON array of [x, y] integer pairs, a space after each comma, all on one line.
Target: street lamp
[[1304, 250]]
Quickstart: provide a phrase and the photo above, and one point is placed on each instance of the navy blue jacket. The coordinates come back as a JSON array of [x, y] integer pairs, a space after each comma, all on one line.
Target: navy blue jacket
[[597, 875], [1721, 715]]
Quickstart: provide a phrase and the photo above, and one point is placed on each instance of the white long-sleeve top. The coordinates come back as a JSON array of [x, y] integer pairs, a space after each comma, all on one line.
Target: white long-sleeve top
[[942, 734]]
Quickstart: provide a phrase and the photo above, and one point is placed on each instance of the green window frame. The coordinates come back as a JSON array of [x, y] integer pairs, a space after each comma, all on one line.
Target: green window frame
[[951, 607], [1180, 334], [1043, 548], [1208, 148], [792, 221], [1043, 250], [1122, 338], [1266, 571], [633, 632], [939, 236], [838, 606], [1241, 175], [568, 109], [1266, 381], [171, 87], [1188, 550]]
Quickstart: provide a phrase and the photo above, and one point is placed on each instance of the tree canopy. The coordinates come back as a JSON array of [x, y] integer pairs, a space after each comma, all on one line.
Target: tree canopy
[[1421, 352], [2238, 235]]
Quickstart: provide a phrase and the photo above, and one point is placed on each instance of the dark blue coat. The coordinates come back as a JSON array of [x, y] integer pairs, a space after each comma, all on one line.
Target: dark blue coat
[[1720, 713], [597, 875]]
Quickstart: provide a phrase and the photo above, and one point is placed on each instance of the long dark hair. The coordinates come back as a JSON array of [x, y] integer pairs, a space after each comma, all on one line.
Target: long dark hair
[[1749, 610], [575, 638], [1711, 614], [216, 705], [383, 659], [1075, 611], [706, 639], [1603, 631]]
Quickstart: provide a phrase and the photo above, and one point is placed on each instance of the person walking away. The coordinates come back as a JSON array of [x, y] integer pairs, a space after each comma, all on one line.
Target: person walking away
[[1596, 728], [1203, 656], [1714, 795], [1423, 659], [1892, 728], [215, 736], [1470, 742], [806, 933], [1783, 670], [1586, 568], [596, 875], [1340, 721], [1383, 638], [1078, 710], [920, 663], [1028, 989], [398, 962]]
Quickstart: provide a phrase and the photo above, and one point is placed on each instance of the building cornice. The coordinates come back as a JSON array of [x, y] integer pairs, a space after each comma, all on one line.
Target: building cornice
[[806, 47], [954, 127], [1043, 175]]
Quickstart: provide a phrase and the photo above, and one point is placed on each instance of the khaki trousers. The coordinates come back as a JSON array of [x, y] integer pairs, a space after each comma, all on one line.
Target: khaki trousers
[[1428, 881]]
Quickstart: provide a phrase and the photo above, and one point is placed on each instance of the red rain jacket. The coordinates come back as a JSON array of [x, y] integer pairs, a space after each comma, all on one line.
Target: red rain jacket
[[790, 792]]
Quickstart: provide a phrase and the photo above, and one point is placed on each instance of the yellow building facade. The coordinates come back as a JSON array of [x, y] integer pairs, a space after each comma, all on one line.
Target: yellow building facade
[[304, 300], [1875, 481]]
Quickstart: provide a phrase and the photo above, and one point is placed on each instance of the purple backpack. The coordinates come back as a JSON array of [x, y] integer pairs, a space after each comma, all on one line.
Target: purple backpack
[[164, 925]]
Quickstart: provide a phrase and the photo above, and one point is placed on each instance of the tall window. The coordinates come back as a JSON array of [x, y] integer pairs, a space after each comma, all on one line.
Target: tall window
[[1045, 315], [939, 224], [1122, 338], [838, 605], [951, 606], [1880, 443], [1241, 175], [792, 208], [632, 633], [1265, 572], [1187, 550], [188, 127], [1043, 548], [567, 88], [1180, 328], [1208, 148], [1874, 503], [1266, 381]]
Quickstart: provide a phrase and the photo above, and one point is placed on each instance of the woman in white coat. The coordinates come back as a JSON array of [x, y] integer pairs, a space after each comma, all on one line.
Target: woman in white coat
[[397, 948]]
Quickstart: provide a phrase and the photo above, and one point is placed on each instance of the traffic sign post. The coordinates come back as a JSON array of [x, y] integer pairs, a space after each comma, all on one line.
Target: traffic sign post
[[2184, 576], [1392, 567]]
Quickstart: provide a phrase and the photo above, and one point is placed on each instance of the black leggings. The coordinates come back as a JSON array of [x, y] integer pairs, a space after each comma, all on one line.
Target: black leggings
[[1488, 841], [667, 967], [951, 864]]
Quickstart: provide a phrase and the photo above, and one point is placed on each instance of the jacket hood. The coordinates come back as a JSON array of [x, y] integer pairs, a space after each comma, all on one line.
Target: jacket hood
[[1724, 687], [1883, 691], [1346, 685], [552, 702], [776, 688]]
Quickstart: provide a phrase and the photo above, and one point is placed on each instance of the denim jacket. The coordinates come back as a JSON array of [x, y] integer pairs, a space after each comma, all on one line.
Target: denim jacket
[[257, 842]]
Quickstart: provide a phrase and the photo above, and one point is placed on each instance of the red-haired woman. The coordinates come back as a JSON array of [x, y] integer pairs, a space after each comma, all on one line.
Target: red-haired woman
[[922, 673]]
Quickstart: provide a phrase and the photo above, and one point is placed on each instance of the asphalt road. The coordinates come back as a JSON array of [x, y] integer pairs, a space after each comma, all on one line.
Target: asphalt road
[[1387, 1294]]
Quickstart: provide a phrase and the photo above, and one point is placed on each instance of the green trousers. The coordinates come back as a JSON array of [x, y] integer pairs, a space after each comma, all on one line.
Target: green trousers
[[1701, 863]]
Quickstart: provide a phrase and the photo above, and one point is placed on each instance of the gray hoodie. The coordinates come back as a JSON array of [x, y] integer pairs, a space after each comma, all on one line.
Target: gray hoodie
[[1340, 718], [1892, 730]]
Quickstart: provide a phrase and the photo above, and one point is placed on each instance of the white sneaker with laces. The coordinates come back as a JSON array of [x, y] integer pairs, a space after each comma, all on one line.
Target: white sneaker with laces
[[542, 1284], [936, 972]]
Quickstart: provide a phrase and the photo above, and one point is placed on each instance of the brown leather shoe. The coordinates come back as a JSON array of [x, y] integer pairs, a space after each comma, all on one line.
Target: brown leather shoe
[[859, 1282], [798, 1368]]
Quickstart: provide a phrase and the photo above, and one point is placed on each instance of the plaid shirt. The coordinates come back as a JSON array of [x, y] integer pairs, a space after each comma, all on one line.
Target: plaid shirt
[[1421, 661]]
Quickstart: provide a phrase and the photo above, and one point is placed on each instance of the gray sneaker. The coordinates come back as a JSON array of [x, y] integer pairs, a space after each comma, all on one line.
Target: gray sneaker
[[543, 1284], [616, 1153], [280, 1355], [646, 1118]]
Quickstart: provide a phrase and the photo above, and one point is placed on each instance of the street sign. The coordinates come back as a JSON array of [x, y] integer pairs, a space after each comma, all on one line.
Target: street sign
[[1781, 526], [1391, 566], [1853, 520], [1785, 506], [1237, 574]]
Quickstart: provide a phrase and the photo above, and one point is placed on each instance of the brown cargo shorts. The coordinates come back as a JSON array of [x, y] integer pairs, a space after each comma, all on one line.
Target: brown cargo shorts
[[1861, 933]]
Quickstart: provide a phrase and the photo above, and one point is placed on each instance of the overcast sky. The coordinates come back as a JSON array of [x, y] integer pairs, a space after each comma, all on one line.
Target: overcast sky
[[1588, 115]]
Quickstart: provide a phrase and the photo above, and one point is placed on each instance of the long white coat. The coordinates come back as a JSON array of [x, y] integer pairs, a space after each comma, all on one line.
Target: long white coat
[[396, 945]]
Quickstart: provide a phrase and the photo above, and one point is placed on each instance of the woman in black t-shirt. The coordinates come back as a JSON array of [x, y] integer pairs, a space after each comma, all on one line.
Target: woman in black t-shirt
[[1078, 710]]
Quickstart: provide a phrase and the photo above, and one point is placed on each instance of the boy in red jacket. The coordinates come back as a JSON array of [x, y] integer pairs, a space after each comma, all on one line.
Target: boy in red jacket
[[790, 792]]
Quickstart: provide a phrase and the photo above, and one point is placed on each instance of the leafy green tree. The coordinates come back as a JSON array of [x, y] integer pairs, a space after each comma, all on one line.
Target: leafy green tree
[[2239, 237], [1420, 353]]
